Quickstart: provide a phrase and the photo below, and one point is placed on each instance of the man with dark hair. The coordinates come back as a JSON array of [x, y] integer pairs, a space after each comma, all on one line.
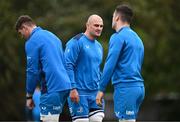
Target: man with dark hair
[[83, 59], [45, 64], [123, 66], [22, 20]]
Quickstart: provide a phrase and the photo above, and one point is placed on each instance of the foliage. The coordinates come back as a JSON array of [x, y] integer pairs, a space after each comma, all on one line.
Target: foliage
[[157, 23]]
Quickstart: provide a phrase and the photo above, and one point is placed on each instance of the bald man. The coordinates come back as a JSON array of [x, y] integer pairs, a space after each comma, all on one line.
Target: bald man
[[83, 56]]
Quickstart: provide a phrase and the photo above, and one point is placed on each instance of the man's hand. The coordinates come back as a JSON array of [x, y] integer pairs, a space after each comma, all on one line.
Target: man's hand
[[74, 95], [99, 97], [30, 103]]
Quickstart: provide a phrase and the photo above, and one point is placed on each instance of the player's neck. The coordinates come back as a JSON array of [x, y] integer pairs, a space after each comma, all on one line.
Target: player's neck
[[32, 28], [89, 36], [120, 26]]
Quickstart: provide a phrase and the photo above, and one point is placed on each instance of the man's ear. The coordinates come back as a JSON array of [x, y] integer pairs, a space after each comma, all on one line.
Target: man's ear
[[87, 24], [117, 18]]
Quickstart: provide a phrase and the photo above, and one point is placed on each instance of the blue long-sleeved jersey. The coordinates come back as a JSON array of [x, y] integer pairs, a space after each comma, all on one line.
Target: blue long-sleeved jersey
[[83, 59], [45, 62], [124, 61]]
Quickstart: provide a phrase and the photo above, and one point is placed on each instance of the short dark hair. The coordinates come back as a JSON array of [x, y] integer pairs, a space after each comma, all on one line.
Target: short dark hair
[[23, 19], [125, 13]]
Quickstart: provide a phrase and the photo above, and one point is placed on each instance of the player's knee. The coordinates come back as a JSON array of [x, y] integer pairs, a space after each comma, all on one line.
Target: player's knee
[[81, 120], [130, 120], [98, 117], [50, 118]]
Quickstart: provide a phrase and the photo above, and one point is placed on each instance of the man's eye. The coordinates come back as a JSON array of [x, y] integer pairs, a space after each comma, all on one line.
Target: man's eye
[[96, 25]]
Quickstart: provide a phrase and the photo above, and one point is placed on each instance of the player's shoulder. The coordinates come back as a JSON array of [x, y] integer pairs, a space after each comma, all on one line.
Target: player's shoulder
[[78, 36], [98, 43], [115, 36], [74, 41]]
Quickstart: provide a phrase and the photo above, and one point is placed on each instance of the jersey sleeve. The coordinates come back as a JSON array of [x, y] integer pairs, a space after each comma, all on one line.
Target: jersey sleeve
[[71, 55], [115, 47], [32, 68], [102, 59]]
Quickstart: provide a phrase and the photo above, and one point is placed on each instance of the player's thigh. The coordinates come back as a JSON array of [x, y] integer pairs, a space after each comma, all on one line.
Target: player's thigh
[[53, 102], [93, 106], [79, 110], [140, 98], [96, 112], [125, 102]]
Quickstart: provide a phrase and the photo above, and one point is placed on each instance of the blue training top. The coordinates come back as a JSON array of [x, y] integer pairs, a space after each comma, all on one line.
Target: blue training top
[[36, 109], [45, 62], [124, 60], [83, 59]]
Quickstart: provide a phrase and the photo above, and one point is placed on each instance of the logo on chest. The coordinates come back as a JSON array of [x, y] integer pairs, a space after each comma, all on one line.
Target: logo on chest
[[87, 46]]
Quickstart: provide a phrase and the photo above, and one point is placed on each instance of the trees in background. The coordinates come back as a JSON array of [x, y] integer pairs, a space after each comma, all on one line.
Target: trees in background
[[157, 22]]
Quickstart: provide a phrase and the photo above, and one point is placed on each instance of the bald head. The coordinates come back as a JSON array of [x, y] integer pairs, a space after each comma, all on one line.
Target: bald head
[[94, 26], [93, 18]]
